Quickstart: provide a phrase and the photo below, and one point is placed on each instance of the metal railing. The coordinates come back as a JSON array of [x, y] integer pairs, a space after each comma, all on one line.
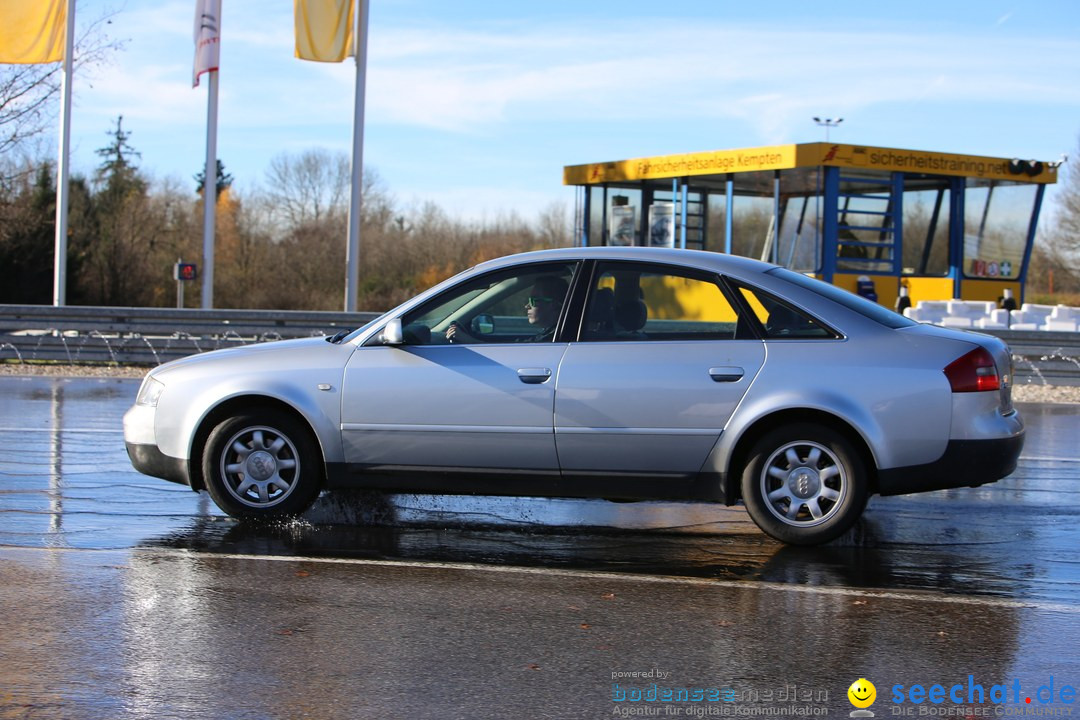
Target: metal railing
[[151, 336], [1046, 358]]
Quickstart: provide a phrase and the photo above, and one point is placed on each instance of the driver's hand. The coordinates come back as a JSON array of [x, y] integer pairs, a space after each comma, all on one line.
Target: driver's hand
[[455, 333]]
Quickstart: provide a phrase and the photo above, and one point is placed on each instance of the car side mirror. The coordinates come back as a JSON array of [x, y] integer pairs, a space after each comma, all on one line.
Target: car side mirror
[[392, 334], [482, 325]]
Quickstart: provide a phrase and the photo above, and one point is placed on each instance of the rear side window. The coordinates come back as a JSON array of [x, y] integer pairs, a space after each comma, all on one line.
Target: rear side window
[[781, 320], [851, 301], [640, 301]]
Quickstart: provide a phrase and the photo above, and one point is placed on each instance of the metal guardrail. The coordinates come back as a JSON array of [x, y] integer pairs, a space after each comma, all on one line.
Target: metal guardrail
[[1046, 358], [150, 336]]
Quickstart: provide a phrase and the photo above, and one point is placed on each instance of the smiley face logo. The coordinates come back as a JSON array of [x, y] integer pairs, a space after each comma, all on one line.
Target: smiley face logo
[[862, 693]]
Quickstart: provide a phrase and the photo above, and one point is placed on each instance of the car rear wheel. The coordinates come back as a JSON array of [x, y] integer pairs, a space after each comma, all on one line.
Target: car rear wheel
[[262, 465], [804, 484]]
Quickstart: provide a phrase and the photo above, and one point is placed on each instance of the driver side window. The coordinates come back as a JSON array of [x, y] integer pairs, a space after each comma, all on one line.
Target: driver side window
[[523, 304]]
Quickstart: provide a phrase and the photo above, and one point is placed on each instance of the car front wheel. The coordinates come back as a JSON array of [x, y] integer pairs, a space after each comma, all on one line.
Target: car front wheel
[[262, 465], [804, 484]]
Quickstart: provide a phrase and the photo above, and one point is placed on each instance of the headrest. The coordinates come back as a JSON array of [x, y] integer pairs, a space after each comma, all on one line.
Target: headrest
[[631, 315], [603, 302]]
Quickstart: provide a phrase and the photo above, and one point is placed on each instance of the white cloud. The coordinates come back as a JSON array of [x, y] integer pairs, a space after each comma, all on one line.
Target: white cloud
[[444, 81], [471, 80], [148, 92]]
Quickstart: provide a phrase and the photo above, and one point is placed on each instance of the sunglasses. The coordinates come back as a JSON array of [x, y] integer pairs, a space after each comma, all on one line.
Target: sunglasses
[[535, 300]]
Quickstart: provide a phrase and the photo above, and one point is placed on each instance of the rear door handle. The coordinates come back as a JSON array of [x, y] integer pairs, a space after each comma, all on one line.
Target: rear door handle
[[726, 374], [534, 376]]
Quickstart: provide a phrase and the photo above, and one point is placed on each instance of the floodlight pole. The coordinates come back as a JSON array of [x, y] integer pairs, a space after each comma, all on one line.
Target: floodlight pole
[[828, 123]]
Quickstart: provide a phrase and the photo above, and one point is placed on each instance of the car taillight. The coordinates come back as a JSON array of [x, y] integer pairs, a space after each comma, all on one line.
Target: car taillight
[[974, 372]]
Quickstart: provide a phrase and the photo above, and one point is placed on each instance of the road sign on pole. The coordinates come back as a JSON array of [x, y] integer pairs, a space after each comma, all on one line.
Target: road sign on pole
[[183, 272]]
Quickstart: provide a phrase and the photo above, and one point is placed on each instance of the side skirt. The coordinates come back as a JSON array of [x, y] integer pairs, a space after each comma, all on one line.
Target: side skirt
[[707, 487]]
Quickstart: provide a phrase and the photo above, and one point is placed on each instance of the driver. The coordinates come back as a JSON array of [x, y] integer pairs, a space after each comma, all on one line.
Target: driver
[[542, 309]]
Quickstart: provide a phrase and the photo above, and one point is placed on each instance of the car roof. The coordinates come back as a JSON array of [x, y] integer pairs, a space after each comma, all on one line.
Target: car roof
[[718, 262]]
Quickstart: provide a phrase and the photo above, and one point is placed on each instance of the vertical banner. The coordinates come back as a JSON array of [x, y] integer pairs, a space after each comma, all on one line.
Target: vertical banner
[[662, 224], [207, 39], [32, 31], [324, 29], [623, 225]]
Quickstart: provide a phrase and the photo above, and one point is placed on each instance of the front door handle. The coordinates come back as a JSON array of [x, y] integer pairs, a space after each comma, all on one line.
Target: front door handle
[[726, 374], [534, 376]]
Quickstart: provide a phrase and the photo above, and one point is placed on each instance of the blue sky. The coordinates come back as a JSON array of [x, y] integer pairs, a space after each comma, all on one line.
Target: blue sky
[[477, 105]]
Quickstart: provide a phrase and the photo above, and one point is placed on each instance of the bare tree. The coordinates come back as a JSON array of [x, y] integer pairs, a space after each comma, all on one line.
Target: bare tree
[[554, 226], [1055, 262], [244, 254], [308, 188], [1065, 235], [28, 93]]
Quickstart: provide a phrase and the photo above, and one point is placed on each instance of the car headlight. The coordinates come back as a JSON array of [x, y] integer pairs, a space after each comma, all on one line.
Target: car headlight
[[150, 392]]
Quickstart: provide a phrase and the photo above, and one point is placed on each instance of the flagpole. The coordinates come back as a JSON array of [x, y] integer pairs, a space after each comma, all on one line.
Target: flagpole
[[352, 249], [210, 191], [63, 166]]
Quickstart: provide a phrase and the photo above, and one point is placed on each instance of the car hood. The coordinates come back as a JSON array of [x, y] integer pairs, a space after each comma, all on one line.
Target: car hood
[[283, 354]]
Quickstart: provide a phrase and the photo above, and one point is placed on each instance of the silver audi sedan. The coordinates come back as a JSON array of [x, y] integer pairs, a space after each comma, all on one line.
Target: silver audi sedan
[[616, 373]]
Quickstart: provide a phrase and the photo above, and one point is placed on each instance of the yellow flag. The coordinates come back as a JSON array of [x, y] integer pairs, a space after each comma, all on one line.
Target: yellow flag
[[324, 29], [32, 31]]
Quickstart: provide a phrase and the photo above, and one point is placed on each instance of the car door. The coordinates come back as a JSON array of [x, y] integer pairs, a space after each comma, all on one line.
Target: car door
[[482, 404], [663, 361]]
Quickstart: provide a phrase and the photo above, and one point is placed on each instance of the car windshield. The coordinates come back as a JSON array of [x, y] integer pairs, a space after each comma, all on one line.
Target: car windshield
[[851, 301]]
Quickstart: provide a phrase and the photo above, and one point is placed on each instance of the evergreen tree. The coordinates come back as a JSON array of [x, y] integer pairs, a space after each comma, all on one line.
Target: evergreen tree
[[117, 171], [224, 180], [114, 243]]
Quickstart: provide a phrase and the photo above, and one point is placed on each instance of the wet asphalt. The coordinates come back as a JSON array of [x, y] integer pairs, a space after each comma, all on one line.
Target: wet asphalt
[[131, 597]]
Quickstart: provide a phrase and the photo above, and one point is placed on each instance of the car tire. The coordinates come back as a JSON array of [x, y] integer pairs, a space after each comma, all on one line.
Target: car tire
[[804, 484], [263, 464]]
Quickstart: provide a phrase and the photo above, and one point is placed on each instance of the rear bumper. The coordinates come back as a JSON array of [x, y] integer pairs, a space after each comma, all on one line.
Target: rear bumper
[[149, 460], [965, 463]]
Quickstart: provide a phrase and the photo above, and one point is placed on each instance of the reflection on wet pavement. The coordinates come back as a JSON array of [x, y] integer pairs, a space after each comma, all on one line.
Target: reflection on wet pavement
[[65, 481]]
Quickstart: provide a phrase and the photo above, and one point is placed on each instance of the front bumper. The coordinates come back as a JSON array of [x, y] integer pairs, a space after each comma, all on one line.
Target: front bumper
[[965, 463], [149, 460], [143, 450]]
